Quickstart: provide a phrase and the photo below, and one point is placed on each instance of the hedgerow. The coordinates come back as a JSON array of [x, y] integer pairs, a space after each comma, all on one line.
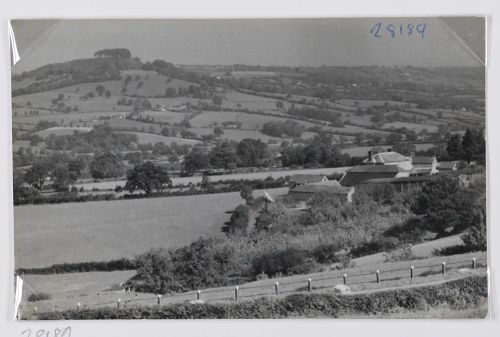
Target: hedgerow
[[458, 295]]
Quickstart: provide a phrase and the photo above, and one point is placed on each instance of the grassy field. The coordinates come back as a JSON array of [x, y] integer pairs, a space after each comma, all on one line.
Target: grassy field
[[248, 121], [145, 138], [366, 103], [411, 126], [238, 176], [166, 117], [89, 118], [105, 230], [61, 131], [362, 151]]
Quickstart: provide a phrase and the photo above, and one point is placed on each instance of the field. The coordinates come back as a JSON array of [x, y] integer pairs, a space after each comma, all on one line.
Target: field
[[78, 119], [238, 176], [411, 126], [145, 138], [105, 230], [248, 121], [366, 103], [362, 151], [62, 131], [165, 117]]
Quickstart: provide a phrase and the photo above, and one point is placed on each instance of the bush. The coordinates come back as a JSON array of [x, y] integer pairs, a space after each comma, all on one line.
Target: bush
[[325, 253], [39, 297], [112, 265], [282, 261]]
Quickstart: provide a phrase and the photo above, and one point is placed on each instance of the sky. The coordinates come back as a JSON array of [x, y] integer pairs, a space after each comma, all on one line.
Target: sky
[[288, 42]]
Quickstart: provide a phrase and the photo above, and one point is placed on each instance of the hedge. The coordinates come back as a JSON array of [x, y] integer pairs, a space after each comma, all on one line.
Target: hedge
[[457, 294], [112, 265]]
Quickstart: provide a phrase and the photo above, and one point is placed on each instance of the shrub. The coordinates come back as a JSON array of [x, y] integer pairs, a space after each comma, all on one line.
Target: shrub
[[282, 261], [325, 253]]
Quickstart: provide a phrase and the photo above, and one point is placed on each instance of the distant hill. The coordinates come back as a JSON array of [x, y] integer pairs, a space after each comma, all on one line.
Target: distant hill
[[58, 75]]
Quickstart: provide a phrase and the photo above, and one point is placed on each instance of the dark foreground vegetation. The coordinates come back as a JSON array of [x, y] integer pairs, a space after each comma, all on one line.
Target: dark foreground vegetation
[[266, 240], [457, 295]]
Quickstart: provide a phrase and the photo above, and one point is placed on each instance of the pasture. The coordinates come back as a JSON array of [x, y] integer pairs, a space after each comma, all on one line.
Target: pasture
[[111, 184], [62, 131], [151, 138], [411, 126], [362, 151], [235, 100], [77, 119], [165, 117], [248, 121], [106, 230], [366, 103]]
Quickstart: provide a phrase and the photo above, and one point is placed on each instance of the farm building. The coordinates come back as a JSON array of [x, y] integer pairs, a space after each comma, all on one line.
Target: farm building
[[448, 165], [389, 158], [298, 196], [362, 173], [401, 183], [423, 165], [304, 179]]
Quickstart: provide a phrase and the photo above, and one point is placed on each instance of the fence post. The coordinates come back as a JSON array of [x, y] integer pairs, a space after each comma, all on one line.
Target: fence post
[[276, 290], [236, 292], [159, 299], [198, 294], [78, 305], [309, 284], [473, 263], [345, 278], [443, 267], [412, 268], [118, 303], [378, 276]]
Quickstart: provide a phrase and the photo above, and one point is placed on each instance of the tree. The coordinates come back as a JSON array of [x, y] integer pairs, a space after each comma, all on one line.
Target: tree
[[36, 175], [165, 131], [105, 165], [251, 151], [217, 100], [239, 220], [100, 90], [223, 155], [195, 161], [147, 177], [246, 193], [394, 138], [279, 105], [218, 131], [473, 145], [454, 147], [448, 207]]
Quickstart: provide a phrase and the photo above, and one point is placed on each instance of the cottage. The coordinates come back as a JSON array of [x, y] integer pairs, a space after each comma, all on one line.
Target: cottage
[[359, 174], [304, 179], [389, 158], [423, 165], [300, 195]]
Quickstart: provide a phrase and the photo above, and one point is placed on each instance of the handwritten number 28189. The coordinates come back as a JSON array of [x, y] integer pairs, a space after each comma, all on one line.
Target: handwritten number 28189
[[379, 30]]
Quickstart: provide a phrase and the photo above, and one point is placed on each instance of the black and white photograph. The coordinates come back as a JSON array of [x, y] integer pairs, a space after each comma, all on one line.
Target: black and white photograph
[[257, 168]]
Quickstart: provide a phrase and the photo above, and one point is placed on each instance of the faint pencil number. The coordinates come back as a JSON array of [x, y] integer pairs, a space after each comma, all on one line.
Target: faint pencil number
[[390, 30], [66, 332]]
